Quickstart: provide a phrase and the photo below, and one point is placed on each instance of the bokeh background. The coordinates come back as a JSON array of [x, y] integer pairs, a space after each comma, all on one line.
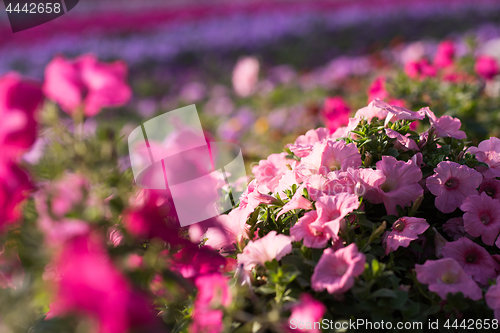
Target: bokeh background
[[184, 52]]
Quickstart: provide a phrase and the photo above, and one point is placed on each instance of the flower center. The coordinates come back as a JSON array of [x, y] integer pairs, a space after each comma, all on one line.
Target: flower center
[[341, 268], [451, 183], [387, 186], [448, 278], [399, 225], [470, 258], [489, 190], [485, 219]]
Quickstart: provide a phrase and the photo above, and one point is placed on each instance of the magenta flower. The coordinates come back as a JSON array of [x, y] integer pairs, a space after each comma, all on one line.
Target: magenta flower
[[86, 85], [19, 100], [271, 246], [447, 276], [445, 54], [492, 298], [89, 284], [303, 144], [154, 217], [336, 271], [488, 151], [445, 126], [403, 142], [328, 156], [332, 209], [213, 292], [269, 172], [307, 310], [14, 188], [482, 217], [400, 186], [315, 235], [420, 69], [335, 113], [377, 90], [451, 184], [491, 187], [486, 67], [192, 261], [404, 230], [474, 259], [455, 229]]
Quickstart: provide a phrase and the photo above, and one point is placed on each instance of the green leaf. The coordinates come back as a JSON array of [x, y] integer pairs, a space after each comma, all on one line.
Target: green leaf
[[384, 293]]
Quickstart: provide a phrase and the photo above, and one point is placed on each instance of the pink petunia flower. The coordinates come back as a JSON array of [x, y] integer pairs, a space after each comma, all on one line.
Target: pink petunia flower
[[228, 231], [297, 202], [445, 54], [335, 113], [271, 246], [336, 271], [373, 109], [486, 67], [403, 142], [354, 181], [488, 151], [314, 233], [492, 298], [400, 187], [455, 229], [491, 187], [269, 172], [86, 84], [396, 112], [303, 144], [332, 209], [474, 259], [404, 230], [482, 217], [451, 184], [19, 100], [307, 310], [447, 276], [445, 126], [328, 156]]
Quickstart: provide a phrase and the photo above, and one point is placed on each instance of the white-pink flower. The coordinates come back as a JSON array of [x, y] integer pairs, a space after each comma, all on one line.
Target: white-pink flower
[[245, 76], [482, 217], [304, 143], [332, 209], [265, 249], [336, 270], [269, 172], [329, 156]]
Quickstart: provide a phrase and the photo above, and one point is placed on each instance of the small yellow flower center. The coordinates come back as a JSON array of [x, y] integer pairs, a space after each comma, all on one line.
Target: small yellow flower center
[[399, 225], [451, 183], [448, 278]]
